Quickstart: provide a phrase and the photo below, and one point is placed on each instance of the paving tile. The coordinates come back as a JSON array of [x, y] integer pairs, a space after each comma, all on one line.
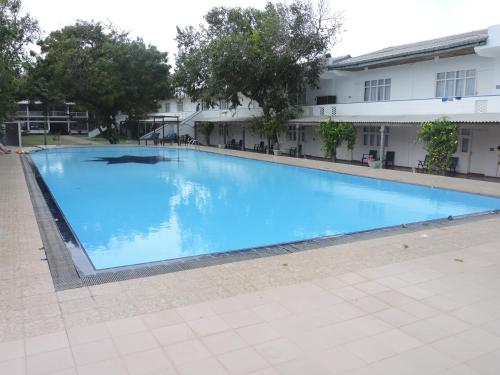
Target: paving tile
[[243, 361], [173, 334], [47, 362], [224, 342], [370, 304], [258, 333], [419, 309], [11, 350], [161, 319], [125, 326], [84, 335], [187, 351], [207, 366], [468, 345], [351, 278], [46, 343], [337, 360], [15, 366], [95, 351], [277, 351], [195, 311], [371, 287], [487, 364], [382, 346], [110, 367], [349, 293], [135, 342], [301, 366], [396, 317], [241, 318], [435, 328], [463, 370], [265, 371], [208, 326], [148, 362], [271, 311]]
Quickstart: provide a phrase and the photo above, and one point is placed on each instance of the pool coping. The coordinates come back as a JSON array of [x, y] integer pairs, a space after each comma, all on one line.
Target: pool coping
[[70, 266]]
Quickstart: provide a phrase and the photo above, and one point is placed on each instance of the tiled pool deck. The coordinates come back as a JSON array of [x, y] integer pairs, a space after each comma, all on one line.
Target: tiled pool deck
[[425, 302]]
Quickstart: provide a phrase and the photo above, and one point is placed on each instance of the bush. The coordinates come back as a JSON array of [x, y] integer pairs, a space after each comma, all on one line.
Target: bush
[[441, 137], [334, 134]]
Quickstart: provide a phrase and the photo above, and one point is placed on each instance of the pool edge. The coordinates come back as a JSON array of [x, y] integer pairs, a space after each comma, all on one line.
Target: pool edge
[[69, 270]]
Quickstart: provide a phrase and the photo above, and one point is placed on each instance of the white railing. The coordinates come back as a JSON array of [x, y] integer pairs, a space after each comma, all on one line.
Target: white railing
[[477, 104]]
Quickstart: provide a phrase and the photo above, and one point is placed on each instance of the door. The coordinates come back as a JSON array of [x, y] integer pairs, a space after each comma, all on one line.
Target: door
[[484, 155]]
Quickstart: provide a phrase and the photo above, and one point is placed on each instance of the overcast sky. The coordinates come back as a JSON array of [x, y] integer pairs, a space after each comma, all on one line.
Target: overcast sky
[[368, 25]]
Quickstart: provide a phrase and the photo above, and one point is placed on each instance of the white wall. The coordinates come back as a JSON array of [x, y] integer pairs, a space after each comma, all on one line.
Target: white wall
[[408, 81]]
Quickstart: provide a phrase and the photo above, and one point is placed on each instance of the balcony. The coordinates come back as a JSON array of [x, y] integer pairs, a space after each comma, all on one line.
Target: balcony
[[439, 107], [52, 114]]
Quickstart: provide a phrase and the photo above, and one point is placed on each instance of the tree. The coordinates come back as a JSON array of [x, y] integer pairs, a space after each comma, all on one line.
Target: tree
[[441, 137], [17, 31], [207, 128], [266, 55], [105, 72], [335, 133]]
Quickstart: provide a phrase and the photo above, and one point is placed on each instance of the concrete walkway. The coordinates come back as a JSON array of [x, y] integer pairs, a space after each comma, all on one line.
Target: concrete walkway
[[424, 302]]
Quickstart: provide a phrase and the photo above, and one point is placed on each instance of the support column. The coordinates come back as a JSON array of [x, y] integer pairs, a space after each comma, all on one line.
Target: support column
[[225, 132], [67, 119], [297, 131], [382, 145], [243, 145]]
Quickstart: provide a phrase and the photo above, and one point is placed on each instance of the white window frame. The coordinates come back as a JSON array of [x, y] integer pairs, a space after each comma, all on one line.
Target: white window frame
[[457, 83], [223, 104], [465, 140], [180, 105], [167, 106], [377, 90], [291, 133], [371, 136]]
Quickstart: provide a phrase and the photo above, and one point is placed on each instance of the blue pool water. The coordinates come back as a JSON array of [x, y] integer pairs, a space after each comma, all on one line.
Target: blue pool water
[[135, 205]]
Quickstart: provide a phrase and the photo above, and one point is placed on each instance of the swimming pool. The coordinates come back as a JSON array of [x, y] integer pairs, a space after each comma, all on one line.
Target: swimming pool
[[130, 205]]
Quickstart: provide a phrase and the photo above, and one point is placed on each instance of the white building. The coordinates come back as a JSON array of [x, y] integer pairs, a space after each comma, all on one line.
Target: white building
[[64, 118], [387, 94]]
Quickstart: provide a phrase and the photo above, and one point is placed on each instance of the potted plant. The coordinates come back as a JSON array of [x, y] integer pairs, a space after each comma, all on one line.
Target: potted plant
[[276, 149], [374, 163]]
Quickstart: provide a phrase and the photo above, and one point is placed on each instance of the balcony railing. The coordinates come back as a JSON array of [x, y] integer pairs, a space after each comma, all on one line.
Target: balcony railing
[[476, 104], [59, 114]]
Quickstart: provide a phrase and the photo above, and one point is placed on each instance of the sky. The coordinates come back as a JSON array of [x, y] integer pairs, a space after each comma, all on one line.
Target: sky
[[367, 25]]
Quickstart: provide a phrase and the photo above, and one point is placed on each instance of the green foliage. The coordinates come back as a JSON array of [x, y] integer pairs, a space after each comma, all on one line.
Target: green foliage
[[206, 128], [441, 137], [266, 55], [269, 126], [104, 72], [333, 134], [17, 31]]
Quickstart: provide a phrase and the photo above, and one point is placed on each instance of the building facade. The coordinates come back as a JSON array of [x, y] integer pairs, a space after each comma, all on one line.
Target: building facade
[[64, 118], [387, 95]]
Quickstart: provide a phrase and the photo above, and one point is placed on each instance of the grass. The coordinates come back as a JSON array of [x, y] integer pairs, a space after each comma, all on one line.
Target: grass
[[37, 140]]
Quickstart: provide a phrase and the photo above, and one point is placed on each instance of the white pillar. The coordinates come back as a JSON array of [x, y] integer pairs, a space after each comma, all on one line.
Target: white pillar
[[382, 145], [297, 130]]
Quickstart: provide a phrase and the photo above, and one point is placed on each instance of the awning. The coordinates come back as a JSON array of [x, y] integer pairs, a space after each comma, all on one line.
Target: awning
[[465, 118], [226, 120]]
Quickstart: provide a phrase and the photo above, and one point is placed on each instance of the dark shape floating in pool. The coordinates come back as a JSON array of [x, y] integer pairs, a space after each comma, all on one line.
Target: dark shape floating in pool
[[133, 159]]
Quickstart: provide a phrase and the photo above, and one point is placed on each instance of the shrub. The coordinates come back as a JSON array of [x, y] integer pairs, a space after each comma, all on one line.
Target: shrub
[[441, 137]]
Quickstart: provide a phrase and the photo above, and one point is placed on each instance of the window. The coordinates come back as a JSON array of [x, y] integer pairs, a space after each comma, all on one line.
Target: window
[[302, 98], [221, 130], [167, 107], [464, 140], [223, 104], [371, 136], [457, 83], [291, 133], [377, 90], [323, 100], [180, 106]]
